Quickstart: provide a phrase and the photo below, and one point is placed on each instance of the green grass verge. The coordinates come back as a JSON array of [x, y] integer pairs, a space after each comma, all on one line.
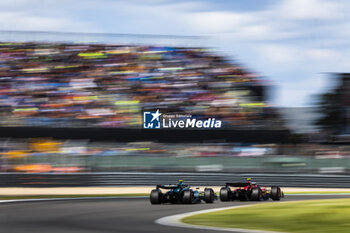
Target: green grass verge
[[7, 197], [318, 216]]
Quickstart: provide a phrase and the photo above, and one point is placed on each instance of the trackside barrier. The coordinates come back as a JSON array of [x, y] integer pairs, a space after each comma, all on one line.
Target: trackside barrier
[[153, 178]]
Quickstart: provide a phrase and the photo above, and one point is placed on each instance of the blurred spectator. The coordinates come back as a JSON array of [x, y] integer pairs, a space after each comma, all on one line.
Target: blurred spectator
[[102, 85]]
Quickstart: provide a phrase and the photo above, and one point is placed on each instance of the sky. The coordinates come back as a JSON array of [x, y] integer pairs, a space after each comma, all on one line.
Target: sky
[[295, 44]]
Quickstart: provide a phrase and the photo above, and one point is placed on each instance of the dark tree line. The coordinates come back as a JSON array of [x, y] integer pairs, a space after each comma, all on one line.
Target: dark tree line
[[332, 107]]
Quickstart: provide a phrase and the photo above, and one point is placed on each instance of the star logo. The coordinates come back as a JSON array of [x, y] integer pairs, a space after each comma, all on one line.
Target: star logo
[[151, 120], [156, 115]]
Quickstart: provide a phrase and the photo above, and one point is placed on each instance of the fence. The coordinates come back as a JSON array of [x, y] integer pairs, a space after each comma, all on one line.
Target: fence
[[151, 178]]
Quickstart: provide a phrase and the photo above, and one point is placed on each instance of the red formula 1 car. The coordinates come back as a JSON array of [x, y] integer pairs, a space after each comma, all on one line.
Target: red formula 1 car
[[250, 191]]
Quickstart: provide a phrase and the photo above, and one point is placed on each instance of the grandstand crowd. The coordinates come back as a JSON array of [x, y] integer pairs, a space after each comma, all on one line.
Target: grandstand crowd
[[106, 85]]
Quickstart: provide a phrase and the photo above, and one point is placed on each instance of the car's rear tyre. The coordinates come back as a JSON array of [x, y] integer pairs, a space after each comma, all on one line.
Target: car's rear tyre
[[225, 194], [209, 195], [276, 193], [187, 197], [156, 196], [256, 194]]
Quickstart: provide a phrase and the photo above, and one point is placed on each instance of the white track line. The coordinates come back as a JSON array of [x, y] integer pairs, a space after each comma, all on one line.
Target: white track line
[[175, 221], [69, 199]]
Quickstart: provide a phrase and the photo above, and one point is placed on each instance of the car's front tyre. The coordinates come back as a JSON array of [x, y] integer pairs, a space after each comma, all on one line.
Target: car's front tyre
[[276, 193], [225, 194], [209, 195]]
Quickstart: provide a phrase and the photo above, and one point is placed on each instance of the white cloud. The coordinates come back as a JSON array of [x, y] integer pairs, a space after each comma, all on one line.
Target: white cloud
[[40, 15], [323, 54], [218, 21], [309, 9], [23, 21], [278, 54]]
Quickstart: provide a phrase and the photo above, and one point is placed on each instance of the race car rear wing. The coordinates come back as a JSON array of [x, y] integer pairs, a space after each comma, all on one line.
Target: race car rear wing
[[237, 184], [170, 186]]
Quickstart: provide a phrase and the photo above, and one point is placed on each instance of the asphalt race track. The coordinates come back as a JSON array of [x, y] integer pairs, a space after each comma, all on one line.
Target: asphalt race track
[[103, 215]]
